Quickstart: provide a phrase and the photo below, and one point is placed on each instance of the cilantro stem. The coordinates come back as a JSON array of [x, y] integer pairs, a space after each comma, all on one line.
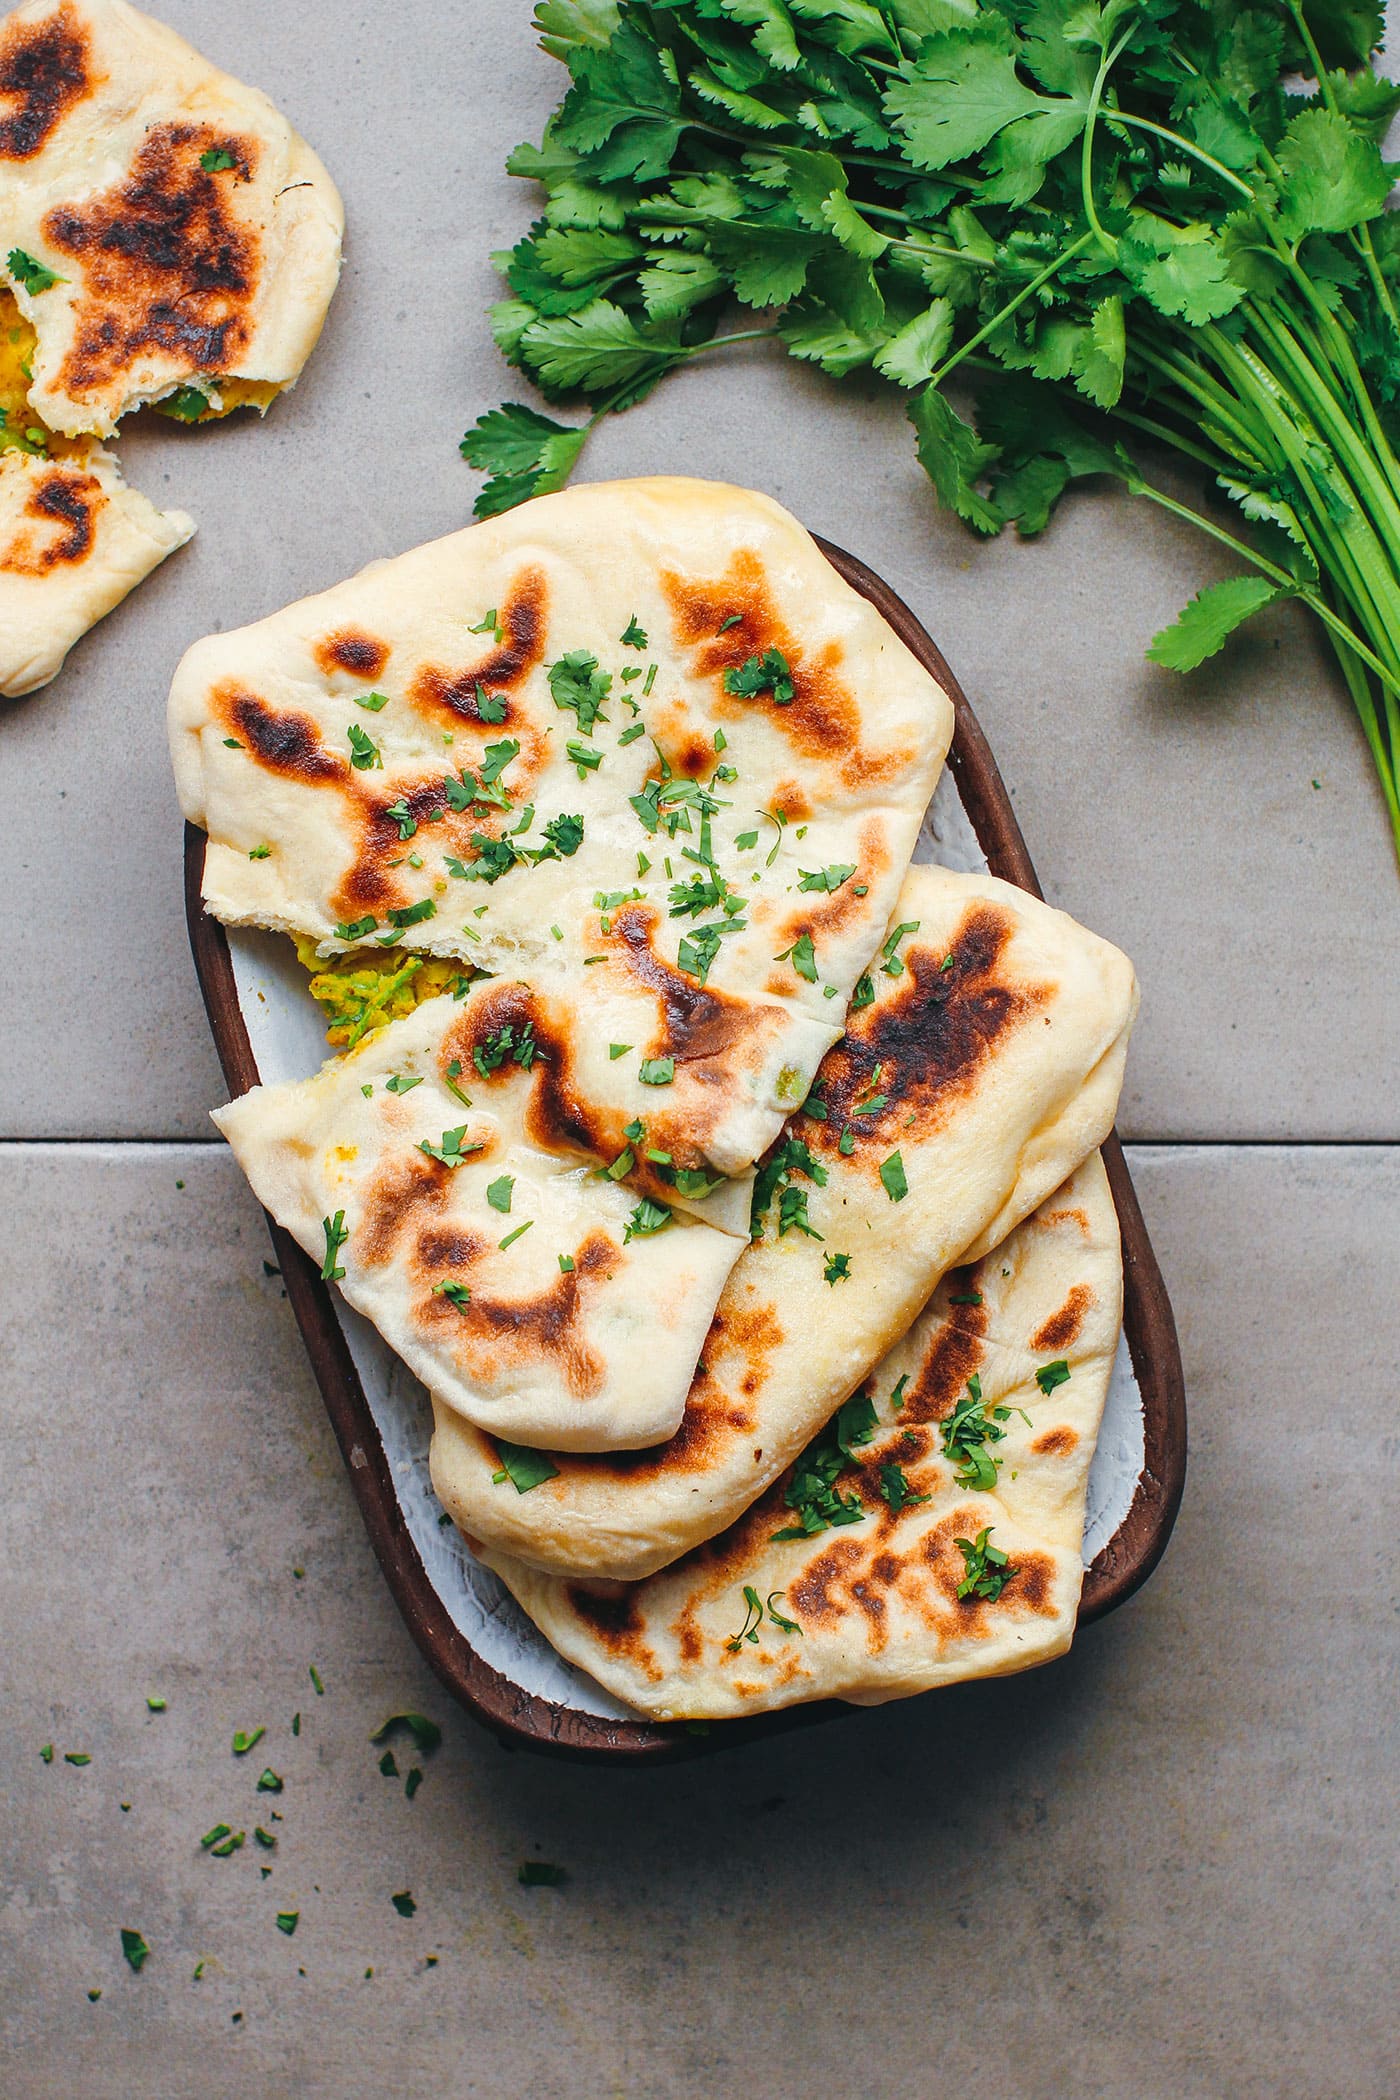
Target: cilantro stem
[[1113, 115], [1027, 291], [1086, 156]]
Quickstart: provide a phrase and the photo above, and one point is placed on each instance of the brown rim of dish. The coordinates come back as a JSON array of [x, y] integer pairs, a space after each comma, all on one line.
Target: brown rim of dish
[[519, 1718]]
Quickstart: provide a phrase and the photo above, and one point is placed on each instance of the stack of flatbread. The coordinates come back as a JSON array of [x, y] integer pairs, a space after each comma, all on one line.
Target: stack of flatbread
[[735, 1188], [165, 237]]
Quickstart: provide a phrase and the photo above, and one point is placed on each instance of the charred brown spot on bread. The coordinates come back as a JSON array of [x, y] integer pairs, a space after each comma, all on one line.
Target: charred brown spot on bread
[[932, 1038], [524, 620], [954, 1354], [822, 720], [351, 649], [616, 1622], [443, 1247], [166, 270], [495, 1334], [1056, 1443], [403, 1194], [71, 502], [1063, 1326], [289, 744], [696, 1023], [741, 1339], [43, 72]]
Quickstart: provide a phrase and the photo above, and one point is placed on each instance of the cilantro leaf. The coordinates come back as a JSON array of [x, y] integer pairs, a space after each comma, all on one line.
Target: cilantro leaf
[[31, 273], [523, 453], [1207, 623], [523, 1468]]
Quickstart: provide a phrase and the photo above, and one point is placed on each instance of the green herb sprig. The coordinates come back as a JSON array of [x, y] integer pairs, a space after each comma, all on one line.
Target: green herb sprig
[[1118, 222]]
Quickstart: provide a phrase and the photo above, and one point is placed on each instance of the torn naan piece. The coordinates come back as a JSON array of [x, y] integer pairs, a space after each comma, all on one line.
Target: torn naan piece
[[168, 234], [637, 744], [431, 1172], [985, 1068], [932, 1533], [74, 539]]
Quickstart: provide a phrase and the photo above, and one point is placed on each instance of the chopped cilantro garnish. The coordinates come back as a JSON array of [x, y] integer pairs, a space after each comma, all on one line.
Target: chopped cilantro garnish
[[450, 1151], [402, 1083], [31, 273], [657, 1071], [134, 1947], [243, 1741], [565, 834], [578, 684], [631, 734], [1051, 1375], [287, 1921], [403, 1903], [217, 160], [856, 1423], [227, 1846], [522, 1467], [650, 680], [803, 957], [337, 1233], [314, 1674], [584, 756], [566, 1265], [490, 707], [426, 1734], [155, 1703], [364, 752], [812, 1491], [489, 1056], [498, 1192], [895, 1489], [511, 1237], [965, 1298], [892, 963], [373, 703], [496, 758], [698, 950], [825, 878], [260, 853], [412, 1781], [617, 1050], [231, 743], [46, 1752], [456, 1293], [745, 840], [897, 1392], [269, 1782], [837, 1268], [753, 1621], [77, 1757], [646, 1219], [864, 993], [265, 1838], [403, 816], [490, 624], [769, 673], [792, 1214], [405, 915], [355, 929], [987, 1569], [893, 1176]]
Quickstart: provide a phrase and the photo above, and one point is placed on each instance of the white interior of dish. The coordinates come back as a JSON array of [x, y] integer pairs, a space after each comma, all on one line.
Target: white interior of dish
[[286, 1031]]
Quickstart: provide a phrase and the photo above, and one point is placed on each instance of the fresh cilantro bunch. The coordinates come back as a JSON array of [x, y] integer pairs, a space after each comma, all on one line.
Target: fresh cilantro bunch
[[1118, 222]]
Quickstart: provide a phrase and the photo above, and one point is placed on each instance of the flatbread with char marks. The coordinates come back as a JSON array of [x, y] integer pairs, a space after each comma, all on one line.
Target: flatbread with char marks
[[184, 235], [74, 539], [933, 1533], [637, 744], [975, 1082], [432, 1170]]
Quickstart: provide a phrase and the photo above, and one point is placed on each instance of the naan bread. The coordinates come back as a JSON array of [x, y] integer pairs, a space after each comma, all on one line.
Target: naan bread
[[74, 539], [195, 236], [598, 1354], [991, 1065], [869, 1610], [391, 749]]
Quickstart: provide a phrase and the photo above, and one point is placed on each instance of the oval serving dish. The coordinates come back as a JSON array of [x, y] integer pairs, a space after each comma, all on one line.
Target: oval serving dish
[[267, 1027]]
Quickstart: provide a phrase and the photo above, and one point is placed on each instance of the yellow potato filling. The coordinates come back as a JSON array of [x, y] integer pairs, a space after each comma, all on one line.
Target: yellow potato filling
[[360, 993]]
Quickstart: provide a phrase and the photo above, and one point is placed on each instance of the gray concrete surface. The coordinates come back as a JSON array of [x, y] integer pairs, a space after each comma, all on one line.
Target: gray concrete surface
[[1161, 1870]]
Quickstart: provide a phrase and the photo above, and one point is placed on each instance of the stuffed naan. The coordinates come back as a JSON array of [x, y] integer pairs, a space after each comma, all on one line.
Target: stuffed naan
[[529, 1288], [636, 744], [74, 539], [933, 1531], [164, 230], [983, 1068]]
